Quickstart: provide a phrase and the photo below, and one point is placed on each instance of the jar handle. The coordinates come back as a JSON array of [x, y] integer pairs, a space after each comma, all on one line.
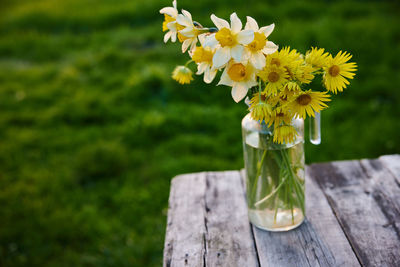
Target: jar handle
[[315, 129]]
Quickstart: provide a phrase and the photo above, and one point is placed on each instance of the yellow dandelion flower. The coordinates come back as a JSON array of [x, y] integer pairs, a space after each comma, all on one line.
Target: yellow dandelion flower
[[280, 115], [182, 75], [292, 86], [258, 97], [288, 58], [284, 134], [303, 73], [281, 98], [284, 57], [287, 94], [260, 112], [308, 102], [317, 58], [275, 77], [337, 70], [259, 109]]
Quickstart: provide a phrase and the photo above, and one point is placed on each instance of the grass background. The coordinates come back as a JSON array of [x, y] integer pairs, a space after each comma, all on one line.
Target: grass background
[[92, 127]]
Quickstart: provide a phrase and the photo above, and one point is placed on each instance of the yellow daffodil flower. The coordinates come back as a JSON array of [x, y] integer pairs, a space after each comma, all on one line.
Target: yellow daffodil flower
[[260, 46], [190, 32], [169, 24], [241, 76], [203, 56], [229, 40]]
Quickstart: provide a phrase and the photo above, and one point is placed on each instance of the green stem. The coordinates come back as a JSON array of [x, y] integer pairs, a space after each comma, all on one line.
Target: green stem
[[188, 62], [271, 194], [259, 166], [294, 184]]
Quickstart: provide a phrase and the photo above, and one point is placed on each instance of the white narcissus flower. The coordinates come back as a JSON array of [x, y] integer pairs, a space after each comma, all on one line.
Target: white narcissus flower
[[203, 57], [190, 32], [241, 76], [256, 50], [229, 40], [169, 24]]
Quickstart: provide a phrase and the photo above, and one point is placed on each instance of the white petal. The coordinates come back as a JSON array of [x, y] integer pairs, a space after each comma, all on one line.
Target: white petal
[[172, 26], [201, 68], [211, 41], [225, 79], [221, 57], [185, 45], [258, 60], [209, 75], [251, 83], [187, 14], [236, 52], [219, 23], [245, 37], [270, 48], [246, 54], [239, 91], [188, 32], [174, 4], [202, 38], [173, 37], [236, 24], [167, 36], [251, 24], [267, 29], [193, 44], [170, 11], [184, 21], [247, 101]]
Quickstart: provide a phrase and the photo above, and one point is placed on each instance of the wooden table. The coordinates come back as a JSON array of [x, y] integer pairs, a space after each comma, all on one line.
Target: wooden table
[[352, 209]]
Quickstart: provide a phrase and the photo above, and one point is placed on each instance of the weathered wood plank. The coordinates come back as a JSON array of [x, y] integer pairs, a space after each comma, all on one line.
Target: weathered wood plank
[[392, 162], [229, 240], [184, 241], [348, 190], [384, 190], [319, 241], [207, 222]]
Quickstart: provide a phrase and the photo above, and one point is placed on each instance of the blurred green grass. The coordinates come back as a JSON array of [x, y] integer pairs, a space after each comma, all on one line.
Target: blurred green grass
[[92, 127]]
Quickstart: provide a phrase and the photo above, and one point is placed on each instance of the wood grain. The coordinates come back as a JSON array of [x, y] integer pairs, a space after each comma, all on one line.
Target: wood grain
[[184, 241], [392, 163], [384, 190], [353, 197], [319, 241], [207, 222], [229, 240]]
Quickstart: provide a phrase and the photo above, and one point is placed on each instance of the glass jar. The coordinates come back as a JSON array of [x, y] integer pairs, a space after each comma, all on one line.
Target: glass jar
[[274, 176]]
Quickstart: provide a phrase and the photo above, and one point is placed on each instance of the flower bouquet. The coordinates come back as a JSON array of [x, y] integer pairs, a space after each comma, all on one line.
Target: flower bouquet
[[274, 83]]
